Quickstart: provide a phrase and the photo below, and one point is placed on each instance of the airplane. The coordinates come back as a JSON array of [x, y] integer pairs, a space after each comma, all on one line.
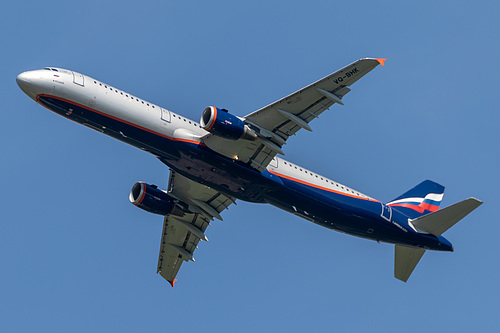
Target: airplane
[[225, 158]]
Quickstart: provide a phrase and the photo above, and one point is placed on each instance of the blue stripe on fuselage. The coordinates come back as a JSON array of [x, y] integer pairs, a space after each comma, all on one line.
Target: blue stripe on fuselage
[[350, 214]]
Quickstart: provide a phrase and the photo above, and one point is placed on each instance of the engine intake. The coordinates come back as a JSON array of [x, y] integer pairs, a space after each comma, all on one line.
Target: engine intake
[[153, 200], [221, 123]]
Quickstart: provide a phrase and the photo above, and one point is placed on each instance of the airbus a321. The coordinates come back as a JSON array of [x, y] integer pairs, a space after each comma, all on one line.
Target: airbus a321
[[225, 158]]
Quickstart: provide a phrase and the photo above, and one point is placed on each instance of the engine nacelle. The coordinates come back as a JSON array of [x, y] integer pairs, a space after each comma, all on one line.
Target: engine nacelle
[[223, 124], [153, 200]]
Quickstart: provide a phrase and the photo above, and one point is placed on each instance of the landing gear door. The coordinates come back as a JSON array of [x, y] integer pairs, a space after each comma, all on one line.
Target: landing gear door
[[386, 212]]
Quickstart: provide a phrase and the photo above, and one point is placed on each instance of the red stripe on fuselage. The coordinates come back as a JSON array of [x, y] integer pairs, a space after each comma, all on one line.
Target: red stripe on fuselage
[[320, 187], [116, 118]]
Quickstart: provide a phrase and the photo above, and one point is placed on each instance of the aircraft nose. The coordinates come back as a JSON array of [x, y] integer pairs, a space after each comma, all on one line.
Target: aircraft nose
[[23, 79], [25, 82]]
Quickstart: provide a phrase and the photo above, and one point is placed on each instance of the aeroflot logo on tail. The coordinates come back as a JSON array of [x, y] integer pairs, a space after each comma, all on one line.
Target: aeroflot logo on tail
[[430, 203]]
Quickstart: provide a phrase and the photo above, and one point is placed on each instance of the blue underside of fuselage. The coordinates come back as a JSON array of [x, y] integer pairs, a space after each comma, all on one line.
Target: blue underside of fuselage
[[333, 210]]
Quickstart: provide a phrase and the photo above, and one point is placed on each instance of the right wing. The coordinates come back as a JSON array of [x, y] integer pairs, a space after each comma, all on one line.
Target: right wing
[[181, 234], [276, 122]]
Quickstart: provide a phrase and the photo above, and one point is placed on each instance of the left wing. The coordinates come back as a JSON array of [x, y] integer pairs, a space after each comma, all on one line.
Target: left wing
[[275, 123], [181, 234]]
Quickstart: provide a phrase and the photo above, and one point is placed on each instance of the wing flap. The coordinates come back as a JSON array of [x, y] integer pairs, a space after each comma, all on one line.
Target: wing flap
[[310, 101], [169, 260]]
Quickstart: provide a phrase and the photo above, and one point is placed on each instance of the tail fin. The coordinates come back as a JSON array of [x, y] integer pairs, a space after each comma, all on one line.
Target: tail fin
[[420, 200], [405, 260]]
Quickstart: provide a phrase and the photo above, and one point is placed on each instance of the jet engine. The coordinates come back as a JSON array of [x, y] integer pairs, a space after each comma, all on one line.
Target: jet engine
[[153, 200], [221, 123]]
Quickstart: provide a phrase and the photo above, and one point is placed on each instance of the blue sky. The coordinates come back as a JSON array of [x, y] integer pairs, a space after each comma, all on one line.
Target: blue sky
[[77, 256]]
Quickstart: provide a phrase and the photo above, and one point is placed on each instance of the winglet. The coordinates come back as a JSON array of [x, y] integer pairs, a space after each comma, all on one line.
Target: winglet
[[172, 282], [381, 61]]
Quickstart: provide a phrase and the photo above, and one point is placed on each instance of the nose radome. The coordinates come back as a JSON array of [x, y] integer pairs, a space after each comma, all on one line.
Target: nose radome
[[25, 82], [23, 78]]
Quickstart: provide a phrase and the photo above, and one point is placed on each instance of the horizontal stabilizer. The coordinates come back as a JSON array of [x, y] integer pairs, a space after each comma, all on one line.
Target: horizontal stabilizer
[[438, 222], [405, 261]]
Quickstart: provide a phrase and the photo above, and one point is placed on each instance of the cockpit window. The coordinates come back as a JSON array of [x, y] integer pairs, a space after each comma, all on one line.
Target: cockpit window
[[47, 69], [55, 70]]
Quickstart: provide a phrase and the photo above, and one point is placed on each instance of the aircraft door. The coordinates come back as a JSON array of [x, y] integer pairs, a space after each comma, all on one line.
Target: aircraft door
[[274, 163], [165, 115], [78, 79], [386, 212]]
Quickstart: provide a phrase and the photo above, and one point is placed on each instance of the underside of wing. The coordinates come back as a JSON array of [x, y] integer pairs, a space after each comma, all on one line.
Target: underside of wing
[[275, 123], [181, 234]]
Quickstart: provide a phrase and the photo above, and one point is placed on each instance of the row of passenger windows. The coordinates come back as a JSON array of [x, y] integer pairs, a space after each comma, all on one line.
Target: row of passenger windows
[[121, 93], [146, 103], [198, 125], [323, 179], [187, 121]]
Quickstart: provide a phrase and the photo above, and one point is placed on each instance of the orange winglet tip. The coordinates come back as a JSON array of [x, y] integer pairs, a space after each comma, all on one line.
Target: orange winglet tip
[[172, 282], [381, 61]]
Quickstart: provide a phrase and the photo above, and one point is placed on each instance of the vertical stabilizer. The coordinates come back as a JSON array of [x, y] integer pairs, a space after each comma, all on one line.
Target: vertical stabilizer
[[420, 200], [405, 261]]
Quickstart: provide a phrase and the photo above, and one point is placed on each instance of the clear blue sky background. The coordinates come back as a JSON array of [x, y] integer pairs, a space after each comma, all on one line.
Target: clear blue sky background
[[76, 256]]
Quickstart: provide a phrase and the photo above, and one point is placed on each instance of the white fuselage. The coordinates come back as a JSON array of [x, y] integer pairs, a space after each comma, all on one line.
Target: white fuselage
[[125, 107]]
